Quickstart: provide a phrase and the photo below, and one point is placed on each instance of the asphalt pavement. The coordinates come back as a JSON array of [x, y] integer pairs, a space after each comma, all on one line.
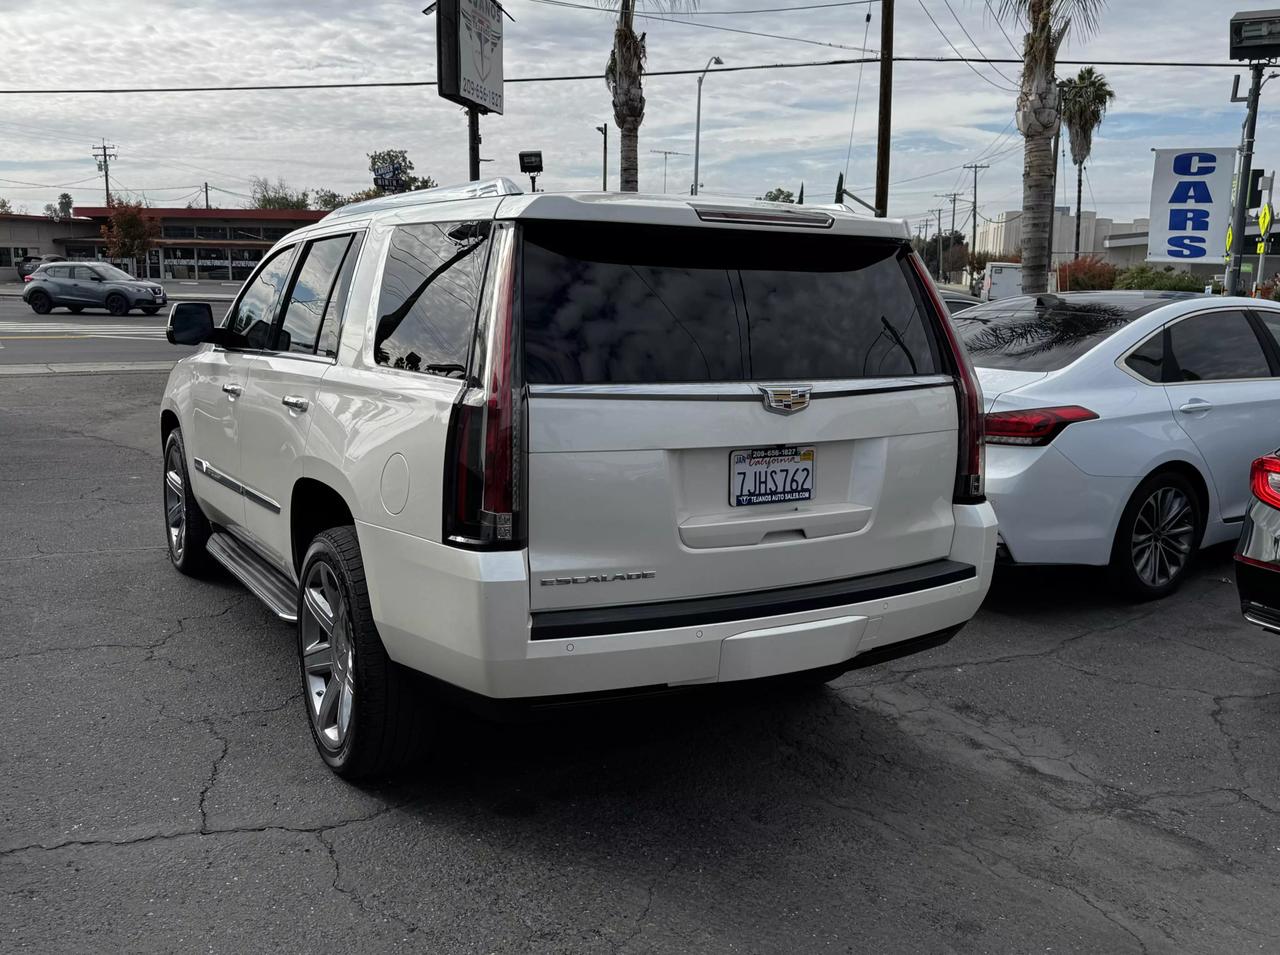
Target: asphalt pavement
[[93, 336], [1071, 773]]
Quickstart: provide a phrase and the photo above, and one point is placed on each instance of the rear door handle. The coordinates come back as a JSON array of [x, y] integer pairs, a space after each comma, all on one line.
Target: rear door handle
[[1194, 405], [233, 390], [295, 402]]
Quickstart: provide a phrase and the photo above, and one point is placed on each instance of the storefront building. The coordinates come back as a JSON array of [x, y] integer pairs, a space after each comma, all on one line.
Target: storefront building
[[23, 235], [195, 244]]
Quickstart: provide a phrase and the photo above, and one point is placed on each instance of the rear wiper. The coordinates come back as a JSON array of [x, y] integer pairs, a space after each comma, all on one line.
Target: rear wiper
[[893, 333]]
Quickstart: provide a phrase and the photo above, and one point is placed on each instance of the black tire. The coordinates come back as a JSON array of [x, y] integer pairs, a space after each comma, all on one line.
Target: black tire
[[1175, 537], [40, 303], [186, 546], [150, 309], [75, 309], [117, 304], [388, 721]]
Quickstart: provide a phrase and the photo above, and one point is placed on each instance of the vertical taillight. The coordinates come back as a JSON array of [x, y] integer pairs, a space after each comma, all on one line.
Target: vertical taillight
[[971, 459], [483, 473]]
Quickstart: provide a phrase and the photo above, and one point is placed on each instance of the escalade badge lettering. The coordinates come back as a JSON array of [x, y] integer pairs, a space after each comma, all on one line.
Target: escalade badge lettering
[[599, 578], [786, 400]]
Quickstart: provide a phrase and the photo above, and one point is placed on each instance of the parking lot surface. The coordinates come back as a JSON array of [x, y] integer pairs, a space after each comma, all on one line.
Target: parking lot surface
[[1069, 774]]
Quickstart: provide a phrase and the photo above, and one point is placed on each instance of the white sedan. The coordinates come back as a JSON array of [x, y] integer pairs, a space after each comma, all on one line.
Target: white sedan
[[1121, 425]]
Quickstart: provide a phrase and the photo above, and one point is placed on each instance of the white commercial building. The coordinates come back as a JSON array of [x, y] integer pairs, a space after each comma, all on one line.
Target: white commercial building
[[1001, 236]]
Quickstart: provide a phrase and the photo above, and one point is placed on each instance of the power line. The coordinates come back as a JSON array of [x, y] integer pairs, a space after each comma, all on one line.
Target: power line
[[995, 16], [23, 184], [947, 40], [595, 77], [705, 26], [731, 13], [856, 99], [972, 41]]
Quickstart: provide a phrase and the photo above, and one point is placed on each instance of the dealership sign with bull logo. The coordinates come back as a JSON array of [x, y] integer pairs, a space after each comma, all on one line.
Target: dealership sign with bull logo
[[1190, 204]]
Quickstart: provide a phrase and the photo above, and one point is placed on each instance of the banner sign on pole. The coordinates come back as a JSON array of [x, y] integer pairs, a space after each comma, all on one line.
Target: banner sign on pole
[[1190, 203], [469, 53]]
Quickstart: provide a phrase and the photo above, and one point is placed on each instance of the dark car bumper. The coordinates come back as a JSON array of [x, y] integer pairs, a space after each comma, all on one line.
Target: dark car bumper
[[1258, 567]]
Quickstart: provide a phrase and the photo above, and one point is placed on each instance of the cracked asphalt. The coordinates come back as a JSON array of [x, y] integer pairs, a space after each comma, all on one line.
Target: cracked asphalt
[[1070, 774]]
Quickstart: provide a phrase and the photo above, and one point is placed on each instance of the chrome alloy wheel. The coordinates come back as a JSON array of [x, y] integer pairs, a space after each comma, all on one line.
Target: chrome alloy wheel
[[175, 504], [328, 656], [1163, 533]]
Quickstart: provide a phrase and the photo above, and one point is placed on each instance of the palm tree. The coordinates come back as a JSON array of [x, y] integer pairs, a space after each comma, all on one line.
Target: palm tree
[[1084, 103], [623, 77], [1048, 22]]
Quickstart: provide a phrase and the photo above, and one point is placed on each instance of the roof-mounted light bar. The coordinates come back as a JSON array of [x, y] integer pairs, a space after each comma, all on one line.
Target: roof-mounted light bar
[[761, 216]]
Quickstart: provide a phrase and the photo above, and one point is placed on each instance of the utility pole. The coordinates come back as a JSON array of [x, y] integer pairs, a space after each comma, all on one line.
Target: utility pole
[[884, 134], [1242, 183], [206, 195], [665, 153], [938, 213], [953, 196], [104, 155], [973, 246]]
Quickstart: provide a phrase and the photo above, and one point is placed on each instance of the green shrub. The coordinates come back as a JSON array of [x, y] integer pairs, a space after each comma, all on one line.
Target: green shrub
[[1167, 279]]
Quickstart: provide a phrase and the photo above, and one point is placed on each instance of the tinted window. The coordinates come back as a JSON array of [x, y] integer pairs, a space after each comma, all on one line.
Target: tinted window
[[1217, 347], [1148, 358], [253, 316], [331, 324], [430, 292], [83, 273], [606, 303], [1272, 321], [310, 294], [54, 272], [1040, 334]]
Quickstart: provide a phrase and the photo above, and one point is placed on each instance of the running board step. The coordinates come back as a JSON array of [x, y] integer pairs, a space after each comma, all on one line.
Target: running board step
[[265, 582]]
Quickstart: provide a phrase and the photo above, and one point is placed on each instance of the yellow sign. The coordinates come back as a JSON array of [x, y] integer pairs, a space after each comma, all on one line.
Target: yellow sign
[[1264, 219], [1262, 247], [1230, 236]]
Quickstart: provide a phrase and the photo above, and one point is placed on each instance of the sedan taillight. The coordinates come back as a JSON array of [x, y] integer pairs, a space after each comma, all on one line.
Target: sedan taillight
[[27, 278], [1264, 478], [1033, 427]]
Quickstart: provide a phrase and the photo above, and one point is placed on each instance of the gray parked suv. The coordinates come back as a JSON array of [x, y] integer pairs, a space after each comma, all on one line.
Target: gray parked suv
[[81, 285]]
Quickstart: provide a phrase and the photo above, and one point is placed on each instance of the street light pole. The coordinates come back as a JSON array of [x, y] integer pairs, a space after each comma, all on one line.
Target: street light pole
[[604, 162], [697, 129]]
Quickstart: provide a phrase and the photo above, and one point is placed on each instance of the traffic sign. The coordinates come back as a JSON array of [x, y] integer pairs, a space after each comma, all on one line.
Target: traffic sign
[[1264, 219], [1230, 235], [1262, 247]]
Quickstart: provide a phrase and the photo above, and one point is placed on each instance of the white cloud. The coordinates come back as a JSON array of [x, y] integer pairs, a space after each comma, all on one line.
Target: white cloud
[[760, 129]]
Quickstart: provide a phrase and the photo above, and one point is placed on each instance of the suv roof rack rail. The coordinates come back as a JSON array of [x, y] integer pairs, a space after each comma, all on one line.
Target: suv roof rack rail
[[500, 186]]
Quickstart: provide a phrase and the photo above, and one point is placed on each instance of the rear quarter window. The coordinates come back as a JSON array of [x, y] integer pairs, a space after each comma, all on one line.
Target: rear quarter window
[[612, 304], [430, 294]]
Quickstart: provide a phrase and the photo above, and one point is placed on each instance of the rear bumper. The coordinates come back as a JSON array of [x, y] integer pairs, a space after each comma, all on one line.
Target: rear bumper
[[463, 617], [1258, 567], [1050, 511]]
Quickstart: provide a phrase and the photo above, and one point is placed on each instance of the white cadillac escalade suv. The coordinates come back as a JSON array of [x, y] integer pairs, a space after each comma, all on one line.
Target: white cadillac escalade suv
[[544, 446]]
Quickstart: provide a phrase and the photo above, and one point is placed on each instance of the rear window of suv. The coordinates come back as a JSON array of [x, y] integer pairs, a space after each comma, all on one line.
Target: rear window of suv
[[614, 304]]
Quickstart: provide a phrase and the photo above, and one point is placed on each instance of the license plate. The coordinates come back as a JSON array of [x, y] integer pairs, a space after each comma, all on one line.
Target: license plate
[[771, 475]]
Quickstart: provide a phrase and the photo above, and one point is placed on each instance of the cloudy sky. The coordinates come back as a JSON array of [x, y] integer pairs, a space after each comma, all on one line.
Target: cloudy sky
[[761, 128]]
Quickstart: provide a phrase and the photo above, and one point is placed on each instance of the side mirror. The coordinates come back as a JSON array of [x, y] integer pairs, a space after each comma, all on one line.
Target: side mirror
[[95, 277], [190, 323]]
